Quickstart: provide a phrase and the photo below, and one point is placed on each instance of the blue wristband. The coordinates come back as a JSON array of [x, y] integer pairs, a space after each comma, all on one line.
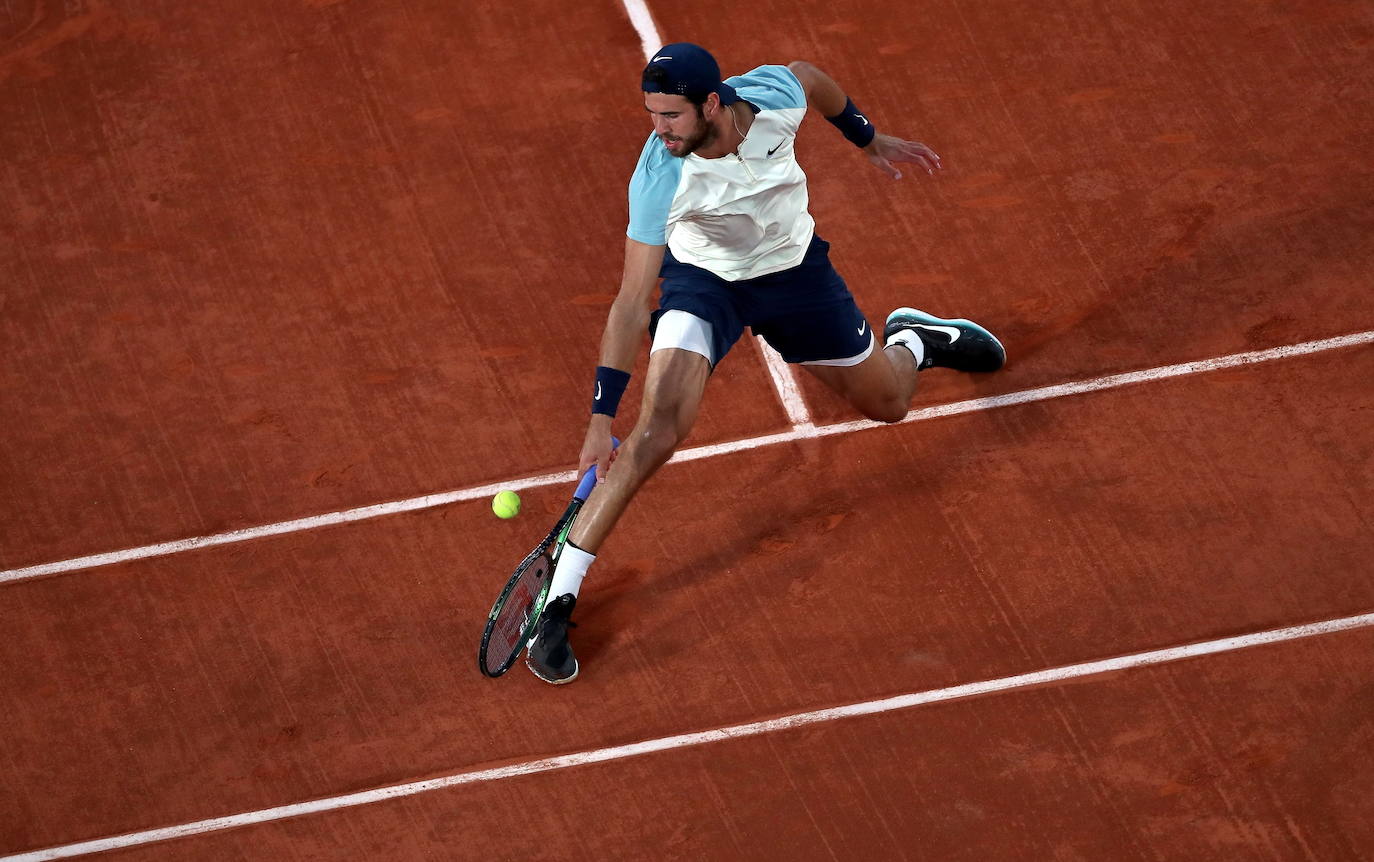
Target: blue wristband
[[854, 126], [610, 385]]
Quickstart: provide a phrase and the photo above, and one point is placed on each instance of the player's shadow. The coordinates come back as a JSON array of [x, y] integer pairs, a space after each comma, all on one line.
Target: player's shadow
[[808, 531]]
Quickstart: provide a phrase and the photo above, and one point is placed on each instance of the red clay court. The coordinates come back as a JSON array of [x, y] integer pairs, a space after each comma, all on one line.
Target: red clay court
[[289, 289]]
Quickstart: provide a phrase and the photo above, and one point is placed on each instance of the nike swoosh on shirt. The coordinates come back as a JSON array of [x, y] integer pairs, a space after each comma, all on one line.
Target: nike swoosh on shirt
[[947, 330], [775, 149]]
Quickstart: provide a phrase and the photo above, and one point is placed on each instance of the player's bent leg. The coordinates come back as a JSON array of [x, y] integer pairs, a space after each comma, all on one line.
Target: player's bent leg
[[879, 387]]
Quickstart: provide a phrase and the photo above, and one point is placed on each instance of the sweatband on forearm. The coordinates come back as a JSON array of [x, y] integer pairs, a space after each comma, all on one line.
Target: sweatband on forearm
[[854, 126], [610, 385]]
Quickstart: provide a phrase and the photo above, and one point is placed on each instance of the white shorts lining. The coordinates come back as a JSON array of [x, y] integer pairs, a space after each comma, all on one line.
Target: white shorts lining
[[685, 331], [844, 363]]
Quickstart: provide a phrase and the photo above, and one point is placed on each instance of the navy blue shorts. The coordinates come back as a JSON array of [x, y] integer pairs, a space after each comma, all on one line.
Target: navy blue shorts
[[805, 313]]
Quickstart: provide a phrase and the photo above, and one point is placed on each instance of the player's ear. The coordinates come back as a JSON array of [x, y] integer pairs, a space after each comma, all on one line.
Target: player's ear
[[711, 106]]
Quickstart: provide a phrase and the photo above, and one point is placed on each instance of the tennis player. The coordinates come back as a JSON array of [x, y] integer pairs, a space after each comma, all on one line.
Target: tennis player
[[718, 210]]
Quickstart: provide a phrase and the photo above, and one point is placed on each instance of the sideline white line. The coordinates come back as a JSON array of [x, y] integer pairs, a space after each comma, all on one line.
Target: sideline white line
[[1025, 396], [784, 381], [786, 722], [644, 25]]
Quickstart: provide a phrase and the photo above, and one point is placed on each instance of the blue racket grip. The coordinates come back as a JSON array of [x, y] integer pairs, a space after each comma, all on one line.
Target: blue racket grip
[[584, 488]]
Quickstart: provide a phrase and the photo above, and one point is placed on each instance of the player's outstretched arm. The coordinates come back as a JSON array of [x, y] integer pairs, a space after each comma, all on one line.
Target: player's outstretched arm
[[884, 151], [625, 325]]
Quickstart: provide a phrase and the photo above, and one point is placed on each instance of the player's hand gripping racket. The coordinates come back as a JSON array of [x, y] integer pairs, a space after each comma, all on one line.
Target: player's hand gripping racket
[[512, 619]]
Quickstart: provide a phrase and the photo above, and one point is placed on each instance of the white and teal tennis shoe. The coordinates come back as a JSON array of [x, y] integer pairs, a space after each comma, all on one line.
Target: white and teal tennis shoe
[[949, 343]]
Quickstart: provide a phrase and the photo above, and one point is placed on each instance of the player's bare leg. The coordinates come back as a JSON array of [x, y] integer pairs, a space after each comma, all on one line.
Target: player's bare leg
[[672, 396], [880, 387]]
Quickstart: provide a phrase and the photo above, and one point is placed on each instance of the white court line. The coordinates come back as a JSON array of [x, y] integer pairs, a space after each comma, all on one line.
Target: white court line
[[1025, 396], [784, 381], [685, 740], [644, 25]]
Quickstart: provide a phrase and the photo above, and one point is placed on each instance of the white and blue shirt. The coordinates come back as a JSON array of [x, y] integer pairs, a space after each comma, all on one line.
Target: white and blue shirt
[[742, 215]]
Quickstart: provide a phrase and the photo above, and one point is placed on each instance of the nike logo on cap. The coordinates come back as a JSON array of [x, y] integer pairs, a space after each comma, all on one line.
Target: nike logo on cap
[[660, 57], [947, 330]]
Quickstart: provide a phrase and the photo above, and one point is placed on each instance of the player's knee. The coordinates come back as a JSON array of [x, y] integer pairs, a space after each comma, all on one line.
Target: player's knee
[[659, 434], [886, 411]]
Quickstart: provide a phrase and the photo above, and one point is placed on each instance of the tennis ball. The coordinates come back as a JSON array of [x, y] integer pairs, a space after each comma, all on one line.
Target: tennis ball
[[506, 504]]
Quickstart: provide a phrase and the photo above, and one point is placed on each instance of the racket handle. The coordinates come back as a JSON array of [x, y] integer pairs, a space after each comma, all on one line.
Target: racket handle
[[584, 488]]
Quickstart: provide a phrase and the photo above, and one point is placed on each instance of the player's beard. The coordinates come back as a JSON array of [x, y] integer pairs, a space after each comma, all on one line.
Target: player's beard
[[705, 136]]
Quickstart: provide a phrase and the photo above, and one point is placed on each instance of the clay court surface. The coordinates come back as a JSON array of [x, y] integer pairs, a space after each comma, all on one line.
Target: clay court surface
[[265, 261]]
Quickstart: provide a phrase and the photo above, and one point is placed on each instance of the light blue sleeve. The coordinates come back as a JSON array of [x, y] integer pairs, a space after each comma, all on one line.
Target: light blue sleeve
[[652, 189], [772, 88]]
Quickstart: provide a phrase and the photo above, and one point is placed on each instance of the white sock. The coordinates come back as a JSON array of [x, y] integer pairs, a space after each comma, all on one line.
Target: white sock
[[911, 341], [569, 571]]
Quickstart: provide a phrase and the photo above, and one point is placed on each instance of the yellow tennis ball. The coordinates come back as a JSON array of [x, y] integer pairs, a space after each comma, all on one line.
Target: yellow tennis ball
[[506, 504]]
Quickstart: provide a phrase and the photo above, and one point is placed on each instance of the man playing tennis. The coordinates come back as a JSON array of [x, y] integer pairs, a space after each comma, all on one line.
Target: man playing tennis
[[718, 210]]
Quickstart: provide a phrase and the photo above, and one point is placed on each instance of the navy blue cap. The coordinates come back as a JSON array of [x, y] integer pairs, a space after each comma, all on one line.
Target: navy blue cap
[[689, 70]]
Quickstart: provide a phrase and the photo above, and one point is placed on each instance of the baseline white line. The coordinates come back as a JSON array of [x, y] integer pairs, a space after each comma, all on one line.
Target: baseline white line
[[1114, 381], [784, 381], [428, 501], [685, 740]]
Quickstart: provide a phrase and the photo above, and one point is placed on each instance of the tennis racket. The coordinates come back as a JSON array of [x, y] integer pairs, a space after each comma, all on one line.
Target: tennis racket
[[512, 619]]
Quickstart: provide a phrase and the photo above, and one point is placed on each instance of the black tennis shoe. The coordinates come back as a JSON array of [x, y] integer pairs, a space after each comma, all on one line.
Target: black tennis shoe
[[550, 656], [959, 344]]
